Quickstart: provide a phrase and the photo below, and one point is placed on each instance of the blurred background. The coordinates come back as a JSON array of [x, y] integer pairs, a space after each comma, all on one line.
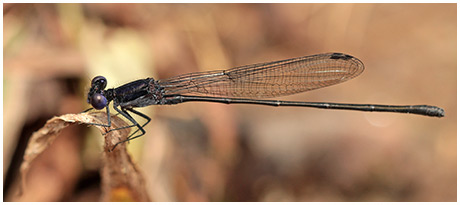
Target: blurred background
[[217, 152]]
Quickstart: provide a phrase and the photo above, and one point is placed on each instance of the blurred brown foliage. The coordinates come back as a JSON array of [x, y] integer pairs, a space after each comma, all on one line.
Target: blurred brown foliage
[[211, 152]]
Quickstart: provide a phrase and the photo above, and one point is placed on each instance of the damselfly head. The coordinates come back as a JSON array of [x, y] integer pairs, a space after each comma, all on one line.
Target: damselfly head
[[95, 95], [98, 101], [99, 82]]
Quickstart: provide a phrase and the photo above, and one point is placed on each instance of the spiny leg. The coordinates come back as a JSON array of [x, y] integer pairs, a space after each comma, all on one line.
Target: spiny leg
[[137, 113], [109, 123], [127, 116], [86, 110], [141, 115]]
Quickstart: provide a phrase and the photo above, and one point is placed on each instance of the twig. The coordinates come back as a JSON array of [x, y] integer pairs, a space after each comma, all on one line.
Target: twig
[[121, 178]]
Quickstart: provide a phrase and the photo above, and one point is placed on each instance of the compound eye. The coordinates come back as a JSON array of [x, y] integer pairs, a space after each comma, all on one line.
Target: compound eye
[[98, 101], [101, 81]]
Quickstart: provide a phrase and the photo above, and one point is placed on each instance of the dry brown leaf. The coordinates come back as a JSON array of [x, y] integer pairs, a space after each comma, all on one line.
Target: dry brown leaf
[[118, 171]]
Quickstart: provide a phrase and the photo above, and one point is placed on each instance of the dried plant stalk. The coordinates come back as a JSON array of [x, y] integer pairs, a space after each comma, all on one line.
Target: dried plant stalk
[[121, 178]]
